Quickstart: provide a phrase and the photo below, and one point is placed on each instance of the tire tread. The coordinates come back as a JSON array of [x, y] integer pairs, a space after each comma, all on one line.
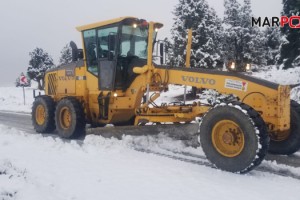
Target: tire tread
[[79, 129], [49, 103]]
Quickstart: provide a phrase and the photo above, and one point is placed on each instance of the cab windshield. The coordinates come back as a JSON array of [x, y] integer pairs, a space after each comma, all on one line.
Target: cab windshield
[[134, 41]]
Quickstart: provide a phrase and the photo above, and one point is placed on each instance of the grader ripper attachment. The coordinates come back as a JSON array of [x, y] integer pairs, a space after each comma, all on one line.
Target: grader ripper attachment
[[115, 81]]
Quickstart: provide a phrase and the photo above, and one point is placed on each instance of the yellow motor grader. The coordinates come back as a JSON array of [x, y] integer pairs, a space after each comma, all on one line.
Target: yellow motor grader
[[114, 80]]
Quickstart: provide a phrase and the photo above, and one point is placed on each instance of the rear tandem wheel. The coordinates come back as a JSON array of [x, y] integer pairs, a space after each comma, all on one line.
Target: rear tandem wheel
[[43, 114], [70, 118], [234, 137]]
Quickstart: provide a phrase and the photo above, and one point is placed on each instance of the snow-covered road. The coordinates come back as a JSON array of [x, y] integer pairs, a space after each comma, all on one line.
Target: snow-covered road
[[38, 167], [34, 166]]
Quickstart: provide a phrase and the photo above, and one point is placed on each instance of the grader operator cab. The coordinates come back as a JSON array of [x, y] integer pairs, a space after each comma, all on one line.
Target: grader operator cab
[[117, 83]]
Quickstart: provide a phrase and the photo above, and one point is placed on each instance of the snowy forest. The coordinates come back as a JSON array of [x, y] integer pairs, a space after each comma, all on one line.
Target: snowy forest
[[218, 41]]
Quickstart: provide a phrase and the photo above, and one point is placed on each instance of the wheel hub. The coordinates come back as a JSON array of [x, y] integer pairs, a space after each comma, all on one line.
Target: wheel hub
[[40, 115], [228, 138], [65, 118]]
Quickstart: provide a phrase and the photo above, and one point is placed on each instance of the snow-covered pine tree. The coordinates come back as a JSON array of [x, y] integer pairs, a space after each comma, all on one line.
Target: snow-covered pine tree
[[39, 63], [207, 33], [272, 35], [66, 55], [290, 48], [247, 33], [232, 26], [232, 13], [259, 52], [243, 43]]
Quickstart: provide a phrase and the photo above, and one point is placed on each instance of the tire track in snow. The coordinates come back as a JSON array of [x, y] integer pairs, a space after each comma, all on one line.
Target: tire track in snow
[[201, 160], [22, 122]]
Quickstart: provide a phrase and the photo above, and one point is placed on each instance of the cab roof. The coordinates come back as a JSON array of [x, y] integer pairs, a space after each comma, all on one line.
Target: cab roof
[[104, 23]]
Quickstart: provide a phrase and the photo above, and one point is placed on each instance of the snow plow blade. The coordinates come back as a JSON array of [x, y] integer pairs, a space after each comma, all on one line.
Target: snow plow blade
[[177, 131]]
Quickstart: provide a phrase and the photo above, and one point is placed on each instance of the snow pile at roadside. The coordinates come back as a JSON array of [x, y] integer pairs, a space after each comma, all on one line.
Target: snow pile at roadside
[[284, 77], [46, 167], [11, 180], [11, 99], [173, 95]]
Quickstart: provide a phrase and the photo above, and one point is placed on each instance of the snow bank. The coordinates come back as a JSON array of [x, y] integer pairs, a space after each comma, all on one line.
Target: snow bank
[[11, 180], [284, 77], [11, 99], [46, 167], [174, 94]]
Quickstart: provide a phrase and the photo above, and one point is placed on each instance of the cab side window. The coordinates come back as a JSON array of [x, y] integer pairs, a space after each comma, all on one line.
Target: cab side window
[[96, 46], [91, 50], [103, 34]]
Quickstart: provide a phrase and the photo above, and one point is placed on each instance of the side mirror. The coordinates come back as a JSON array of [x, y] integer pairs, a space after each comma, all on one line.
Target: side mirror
[[80, 54], [112, 38], [77, 54], [74, 51], [161, 51]]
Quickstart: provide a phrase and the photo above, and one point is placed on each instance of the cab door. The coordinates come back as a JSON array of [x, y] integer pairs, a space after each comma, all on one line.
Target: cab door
[[101, 67], [107, 57]]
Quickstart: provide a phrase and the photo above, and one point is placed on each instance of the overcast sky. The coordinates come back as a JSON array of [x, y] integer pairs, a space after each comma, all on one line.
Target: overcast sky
[[50, 24]]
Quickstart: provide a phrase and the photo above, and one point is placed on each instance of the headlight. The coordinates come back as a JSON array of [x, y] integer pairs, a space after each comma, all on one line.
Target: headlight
[[232, 66], [134, 25], [248, 67], [237, 66]]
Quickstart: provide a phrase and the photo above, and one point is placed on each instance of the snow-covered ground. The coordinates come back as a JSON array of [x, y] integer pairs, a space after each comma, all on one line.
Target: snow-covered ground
[[46, 167], [11, 99], [34, 167], [284, 77]]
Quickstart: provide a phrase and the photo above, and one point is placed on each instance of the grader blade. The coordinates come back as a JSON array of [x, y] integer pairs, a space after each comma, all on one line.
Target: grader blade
[[177, 131]]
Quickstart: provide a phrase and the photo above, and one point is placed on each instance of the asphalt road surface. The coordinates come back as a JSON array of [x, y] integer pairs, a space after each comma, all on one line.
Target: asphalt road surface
[[22, 121]]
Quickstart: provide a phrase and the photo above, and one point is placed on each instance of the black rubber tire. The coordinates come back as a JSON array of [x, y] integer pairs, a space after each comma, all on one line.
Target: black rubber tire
[[292, 143], [78, 122], [256, 143], [49, 106]]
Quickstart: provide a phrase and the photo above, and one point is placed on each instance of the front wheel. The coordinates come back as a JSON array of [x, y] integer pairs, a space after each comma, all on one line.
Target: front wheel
[[70, 118], [234, 137]]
